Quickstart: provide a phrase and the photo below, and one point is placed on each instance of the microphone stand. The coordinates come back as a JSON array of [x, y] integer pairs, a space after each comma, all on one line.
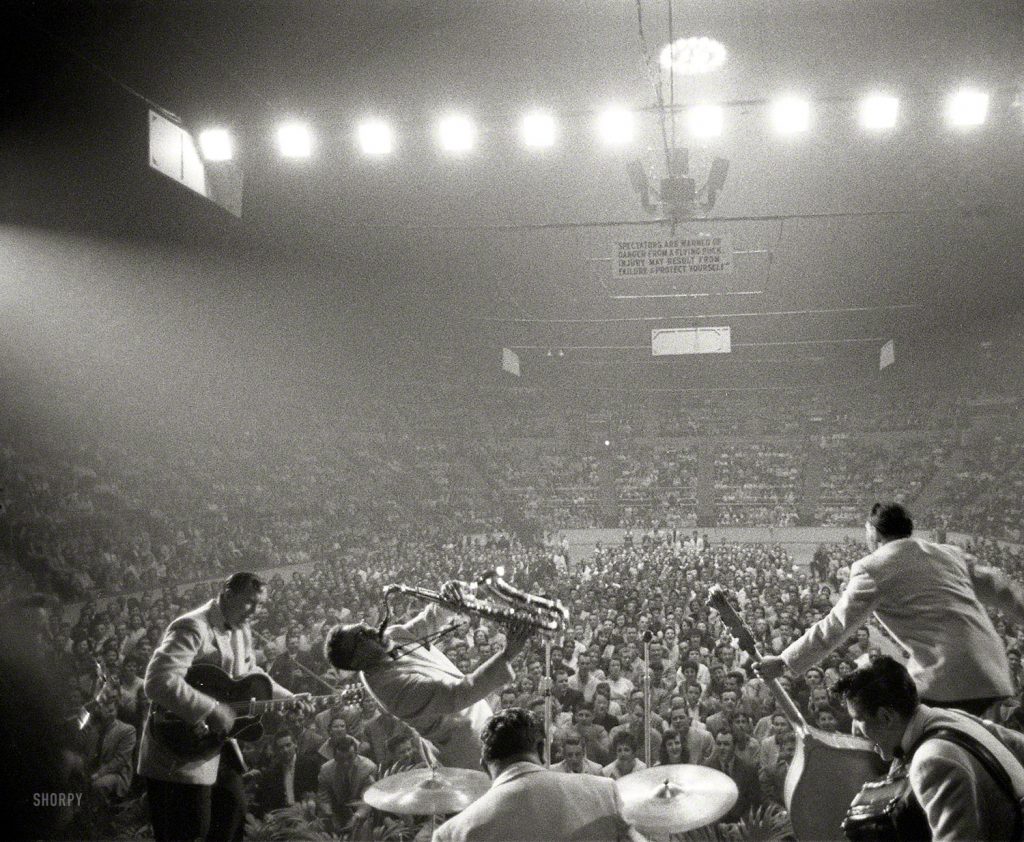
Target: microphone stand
[[648, 637], [547, 702]]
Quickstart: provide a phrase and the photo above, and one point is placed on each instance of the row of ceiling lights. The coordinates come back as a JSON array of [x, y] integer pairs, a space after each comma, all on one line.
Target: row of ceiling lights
[[615, 126]]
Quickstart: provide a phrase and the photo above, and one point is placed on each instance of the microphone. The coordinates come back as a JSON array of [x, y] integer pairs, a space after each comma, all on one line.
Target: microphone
[[648, 636]]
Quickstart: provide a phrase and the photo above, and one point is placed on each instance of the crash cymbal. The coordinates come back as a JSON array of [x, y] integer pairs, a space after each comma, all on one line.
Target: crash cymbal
[[421, 792], [675, 799]]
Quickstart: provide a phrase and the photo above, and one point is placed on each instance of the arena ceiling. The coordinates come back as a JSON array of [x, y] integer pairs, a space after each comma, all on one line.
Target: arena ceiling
[[842, 238]]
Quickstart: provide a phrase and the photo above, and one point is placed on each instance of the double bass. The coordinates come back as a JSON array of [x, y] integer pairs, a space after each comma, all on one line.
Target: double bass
[[828, 769]]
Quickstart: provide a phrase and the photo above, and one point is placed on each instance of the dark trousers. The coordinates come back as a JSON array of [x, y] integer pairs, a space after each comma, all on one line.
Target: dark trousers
[[977, 707], [183, 812]]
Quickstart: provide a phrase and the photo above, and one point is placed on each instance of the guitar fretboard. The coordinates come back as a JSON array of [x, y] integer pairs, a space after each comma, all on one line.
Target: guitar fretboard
[[263, 705]]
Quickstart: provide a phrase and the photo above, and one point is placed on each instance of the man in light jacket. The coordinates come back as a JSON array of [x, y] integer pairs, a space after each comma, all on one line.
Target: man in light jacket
[[528, 802], [960, 798], [931, 599]]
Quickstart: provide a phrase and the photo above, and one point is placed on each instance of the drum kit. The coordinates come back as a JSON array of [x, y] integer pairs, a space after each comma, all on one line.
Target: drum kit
[[664, 799]]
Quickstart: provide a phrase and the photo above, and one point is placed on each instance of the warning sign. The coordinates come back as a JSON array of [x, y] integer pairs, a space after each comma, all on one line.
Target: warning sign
[[675, 256]]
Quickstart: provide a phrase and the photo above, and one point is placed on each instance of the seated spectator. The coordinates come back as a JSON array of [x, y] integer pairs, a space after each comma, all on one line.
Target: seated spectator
[[568, 698], [341, 784], [625, 762], [602, 716], [110, 763], [743, 773], [594, 738], [768, 752], [276, 787], [575, 761], [772, 775], [698, 744], [722, 720]]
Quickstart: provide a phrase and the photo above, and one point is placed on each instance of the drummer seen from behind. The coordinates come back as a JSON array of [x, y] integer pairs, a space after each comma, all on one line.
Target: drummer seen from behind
[[931, 598], [416, 682], [527, 801]]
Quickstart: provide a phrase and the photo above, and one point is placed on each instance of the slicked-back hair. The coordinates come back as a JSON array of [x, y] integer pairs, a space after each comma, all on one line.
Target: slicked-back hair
[[244, 581], [340, 645], [885, 682], [512, 732], [891, 520]]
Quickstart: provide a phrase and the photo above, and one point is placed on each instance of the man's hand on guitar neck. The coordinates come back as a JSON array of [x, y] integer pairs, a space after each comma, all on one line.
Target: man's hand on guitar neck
[[302, 704], [771, 667]]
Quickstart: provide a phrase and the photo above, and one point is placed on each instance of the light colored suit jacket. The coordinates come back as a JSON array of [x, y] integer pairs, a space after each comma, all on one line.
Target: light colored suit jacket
[[700, 745], [198, 637], [929, 597], [115, 755], [336, 791], [960, 798], [426, 690], [527, 802]]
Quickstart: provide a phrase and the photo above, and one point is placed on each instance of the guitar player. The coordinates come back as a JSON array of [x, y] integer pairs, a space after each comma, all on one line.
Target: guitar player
[[201, 798]]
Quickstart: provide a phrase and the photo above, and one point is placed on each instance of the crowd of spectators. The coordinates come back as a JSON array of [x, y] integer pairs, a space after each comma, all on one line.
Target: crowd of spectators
[[708, 706], [890, 470], [757, 483], [109, 512], [657, 484]]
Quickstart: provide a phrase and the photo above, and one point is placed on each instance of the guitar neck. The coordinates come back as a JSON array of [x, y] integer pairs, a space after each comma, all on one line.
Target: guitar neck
[[719, 601], [260, 706]]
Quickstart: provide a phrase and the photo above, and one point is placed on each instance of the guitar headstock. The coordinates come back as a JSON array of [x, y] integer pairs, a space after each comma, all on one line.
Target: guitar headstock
[[719, 600]]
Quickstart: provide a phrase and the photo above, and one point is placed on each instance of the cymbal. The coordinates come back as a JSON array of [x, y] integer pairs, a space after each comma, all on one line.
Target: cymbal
[[421, 792], [675, 799]]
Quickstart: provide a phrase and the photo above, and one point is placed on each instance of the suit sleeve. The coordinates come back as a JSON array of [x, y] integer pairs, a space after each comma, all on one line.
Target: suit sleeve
[[277, 691], [948, 795], [121, 760], [428, 621], [423, 696], [858, 601], [165, 682], [996, 589], [324, 803]]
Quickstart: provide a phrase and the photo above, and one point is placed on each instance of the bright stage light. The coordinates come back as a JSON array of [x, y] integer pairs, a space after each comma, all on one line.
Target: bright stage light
[[216, 145], [375, 138], [538, 130], [692, 56], [967, 108], [791, 115], [294, 140], [456, 133], [879, 111], [705, 120], [615, 126]]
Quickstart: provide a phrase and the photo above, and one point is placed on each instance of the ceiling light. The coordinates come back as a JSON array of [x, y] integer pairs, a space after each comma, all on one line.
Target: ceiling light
[[967, 108], [294, 140], [216, 145], [705, 120], [615, 126], [879, 111], [691, 56], [375, 137], [538, 130], [456, 133], [791, 115]]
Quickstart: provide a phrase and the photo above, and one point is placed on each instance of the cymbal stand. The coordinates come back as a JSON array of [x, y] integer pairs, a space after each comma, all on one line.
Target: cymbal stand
[[648, 636]]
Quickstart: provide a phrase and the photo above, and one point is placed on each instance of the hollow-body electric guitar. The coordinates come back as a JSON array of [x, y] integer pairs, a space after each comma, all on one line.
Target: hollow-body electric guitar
[[249, 697]]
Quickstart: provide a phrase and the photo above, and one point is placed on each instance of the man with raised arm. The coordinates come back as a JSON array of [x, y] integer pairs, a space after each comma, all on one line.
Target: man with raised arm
[[931, 598], [416, 682]]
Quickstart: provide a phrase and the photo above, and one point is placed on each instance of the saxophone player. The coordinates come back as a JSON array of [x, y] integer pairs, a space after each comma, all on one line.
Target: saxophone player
[[417, 683]]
